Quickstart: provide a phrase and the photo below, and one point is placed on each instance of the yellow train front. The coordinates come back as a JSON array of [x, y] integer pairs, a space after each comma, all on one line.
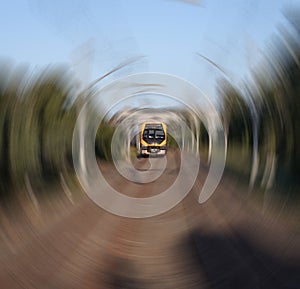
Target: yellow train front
[[153, 139]]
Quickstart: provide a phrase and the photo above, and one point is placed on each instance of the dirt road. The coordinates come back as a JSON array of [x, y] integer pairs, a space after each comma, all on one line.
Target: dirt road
[[228, 242]]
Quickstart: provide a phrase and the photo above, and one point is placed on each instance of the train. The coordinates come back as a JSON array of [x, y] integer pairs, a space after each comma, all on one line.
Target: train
[[153, 139]]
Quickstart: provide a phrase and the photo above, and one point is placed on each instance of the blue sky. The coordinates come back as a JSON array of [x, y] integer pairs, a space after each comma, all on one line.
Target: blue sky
[[169, 33]]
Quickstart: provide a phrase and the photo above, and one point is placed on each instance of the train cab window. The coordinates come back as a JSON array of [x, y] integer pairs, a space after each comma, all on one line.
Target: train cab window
[[159, 134], [148, 134], [151, 133]]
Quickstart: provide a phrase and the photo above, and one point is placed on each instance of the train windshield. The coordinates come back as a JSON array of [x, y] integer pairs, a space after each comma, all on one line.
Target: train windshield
[[159, 134], [153, 134]]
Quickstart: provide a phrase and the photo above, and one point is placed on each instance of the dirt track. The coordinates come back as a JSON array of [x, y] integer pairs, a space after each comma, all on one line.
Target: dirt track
[[228, 242]]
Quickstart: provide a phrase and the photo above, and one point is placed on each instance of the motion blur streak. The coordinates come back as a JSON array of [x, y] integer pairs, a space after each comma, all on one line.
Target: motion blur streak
[[245, 236]]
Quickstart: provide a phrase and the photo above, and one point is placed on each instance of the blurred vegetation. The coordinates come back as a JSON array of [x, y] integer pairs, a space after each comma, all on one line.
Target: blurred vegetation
[[104, 137], [36, 125], [171, 142], [263, 115], [38, 112]]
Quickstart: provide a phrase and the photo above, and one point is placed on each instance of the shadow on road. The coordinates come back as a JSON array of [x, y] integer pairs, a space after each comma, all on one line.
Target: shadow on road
[[123, 275], [230, 262]]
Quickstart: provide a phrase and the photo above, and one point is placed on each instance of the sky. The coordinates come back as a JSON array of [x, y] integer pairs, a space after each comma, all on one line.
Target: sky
[[95, 36]]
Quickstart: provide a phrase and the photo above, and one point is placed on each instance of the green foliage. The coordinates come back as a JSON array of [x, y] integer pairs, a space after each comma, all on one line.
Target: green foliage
[[275, 93], [203, 136], [171, 142], [236, 114], [38, 113], [35, 126], [104, 136]]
